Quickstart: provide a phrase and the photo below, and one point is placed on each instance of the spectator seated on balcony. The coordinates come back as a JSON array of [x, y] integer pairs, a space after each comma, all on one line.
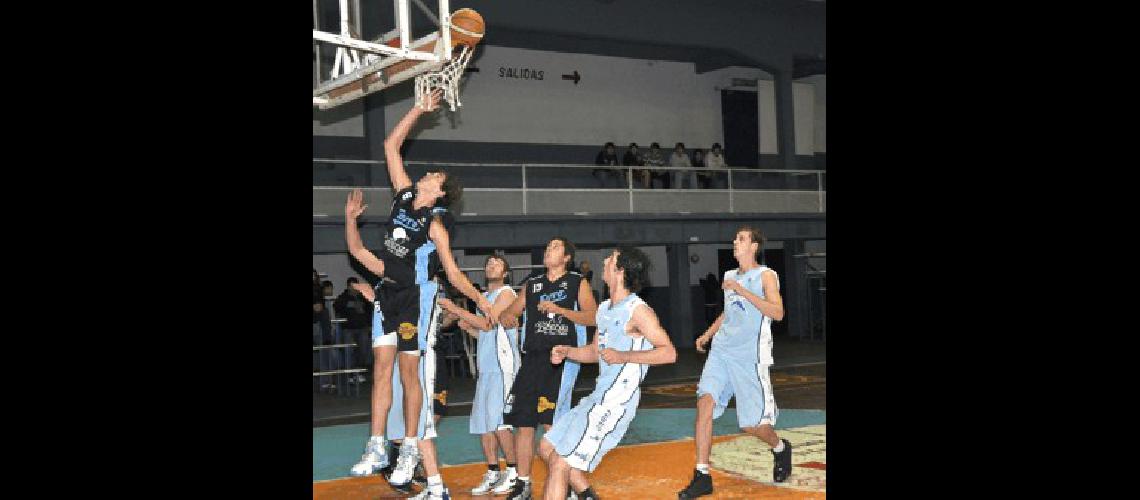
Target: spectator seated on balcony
[[607, 177], [698, 160], [653, 158], [715, 160], [633, 158], [681, 160]]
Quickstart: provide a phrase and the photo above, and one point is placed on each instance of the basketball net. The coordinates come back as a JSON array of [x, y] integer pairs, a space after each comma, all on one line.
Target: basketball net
[[447, 78]]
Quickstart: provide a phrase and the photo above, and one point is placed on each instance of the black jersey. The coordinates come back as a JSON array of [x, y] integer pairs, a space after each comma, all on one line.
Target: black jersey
[[544, 331], [409, 256]]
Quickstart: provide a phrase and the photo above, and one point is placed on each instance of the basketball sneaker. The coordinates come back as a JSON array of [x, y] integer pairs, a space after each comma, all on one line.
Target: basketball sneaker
[[426, 495], [506, 482], [782, 468], [373, 460], [405, 467], [701, 485], [490, 480], [521, 491]]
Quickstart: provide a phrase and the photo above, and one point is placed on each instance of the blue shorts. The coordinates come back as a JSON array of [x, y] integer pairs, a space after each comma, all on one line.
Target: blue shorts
[[724, 377]]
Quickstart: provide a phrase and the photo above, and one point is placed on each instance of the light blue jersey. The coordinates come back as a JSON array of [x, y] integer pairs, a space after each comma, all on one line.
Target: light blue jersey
[[740, 356], [497, 359], [746, 333], [600, 420]]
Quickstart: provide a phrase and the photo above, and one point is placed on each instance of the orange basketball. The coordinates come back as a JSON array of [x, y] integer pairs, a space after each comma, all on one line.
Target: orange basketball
[[466, 27]]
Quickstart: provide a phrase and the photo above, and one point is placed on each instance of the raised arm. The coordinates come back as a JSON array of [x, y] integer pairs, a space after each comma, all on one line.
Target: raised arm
[[395, 140], [644, 321], [502, 302], [773, 306], [585, 316], [352, 209]]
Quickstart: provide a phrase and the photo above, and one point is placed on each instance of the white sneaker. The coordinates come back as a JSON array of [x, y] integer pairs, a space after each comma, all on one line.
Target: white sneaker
[[506, 481], [405, 465], [426, 495], [372, 461], [490, 480]]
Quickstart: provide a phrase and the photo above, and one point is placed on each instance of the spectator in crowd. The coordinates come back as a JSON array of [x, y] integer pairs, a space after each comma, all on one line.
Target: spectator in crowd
[[698, 160], [654, 158], [318, 308], [607, 156], [715, 160], [678, 160], [633, 158], [357, 311]]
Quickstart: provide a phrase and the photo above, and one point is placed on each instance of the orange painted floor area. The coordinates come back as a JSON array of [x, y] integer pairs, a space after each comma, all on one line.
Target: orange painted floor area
[[655, 470]]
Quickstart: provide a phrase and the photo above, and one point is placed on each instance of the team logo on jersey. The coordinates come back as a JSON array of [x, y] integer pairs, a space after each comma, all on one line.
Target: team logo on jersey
[[537, 288], [562, 285], [545, 404], [407, 331], [407, 196], [441, 397]]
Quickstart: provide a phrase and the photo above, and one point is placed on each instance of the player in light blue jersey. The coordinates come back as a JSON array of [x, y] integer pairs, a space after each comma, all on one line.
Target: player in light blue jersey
[[497, 360], [739, 359], [629, 340]]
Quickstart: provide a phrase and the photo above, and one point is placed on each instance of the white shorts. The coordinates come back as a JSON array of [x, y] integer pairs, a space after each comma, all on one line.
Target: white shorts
[[388, 339]]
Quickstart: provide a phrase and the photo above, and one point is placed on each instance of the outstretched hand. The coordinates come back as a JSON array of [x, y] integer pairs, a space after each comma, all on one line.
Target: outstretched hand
[[355, 204], [433, 100]]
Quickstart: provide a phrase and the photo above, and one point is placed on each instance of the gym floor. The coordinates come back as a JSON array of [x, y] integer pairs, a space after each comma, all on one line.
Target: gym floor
[[655, 458]]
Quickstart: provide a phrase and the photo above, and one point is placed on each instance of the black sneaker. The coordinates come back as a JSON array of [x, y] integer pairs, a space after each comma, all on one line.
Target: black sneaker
[[521, 491], [782, 468], [701, 485], [420, 476]]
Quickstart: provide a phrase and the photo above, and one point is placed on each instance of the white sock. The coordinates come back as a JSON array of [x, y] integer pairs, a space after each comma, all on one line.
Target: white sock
[[435, 484], [376, 439], [703, 468], [410, 442], [525, 479], [780, 447]]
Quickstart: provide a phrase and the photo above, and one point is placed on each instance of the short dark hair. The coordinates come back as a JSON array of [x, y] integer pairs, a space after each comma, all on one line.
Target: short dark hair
[[326, 283], [633, 144], [679, 145], [716, 145], [452, 190], [655, 145], [498, 254], [756, 235], [635, 267], [352, 279], [567, 249], [608, 145]]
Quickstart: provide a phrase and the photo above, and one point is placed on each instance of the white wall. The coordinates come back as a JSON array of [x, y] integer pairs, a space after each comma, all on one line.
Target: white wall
[[617, 99], [803, 106], [819, 86]]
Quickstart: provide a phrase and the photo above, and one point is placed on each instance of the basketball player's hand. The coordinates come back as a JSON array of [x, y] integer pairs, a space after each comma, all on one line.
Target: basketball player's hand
[[355, 205], [612, 357], [485, 306], [508, 320], [433, 100], [559, 353], [731, 285], [547, 306], [447, 304], [366, 291], [702, 341]]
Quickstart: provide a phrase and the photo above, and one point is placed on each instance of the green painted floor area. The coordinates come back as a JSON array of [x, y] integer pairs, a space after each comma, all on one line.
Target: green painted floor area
[[337, 448]]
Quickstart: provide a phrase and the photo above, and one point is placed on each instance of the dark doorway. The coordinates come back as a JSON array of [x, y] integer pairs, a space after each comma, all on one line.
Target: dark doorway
[[741, 118]]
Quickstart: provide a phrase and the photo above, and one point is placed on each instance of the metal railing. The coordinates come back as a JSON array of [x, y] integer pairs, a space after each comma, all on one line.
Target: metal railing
[[534, 188]]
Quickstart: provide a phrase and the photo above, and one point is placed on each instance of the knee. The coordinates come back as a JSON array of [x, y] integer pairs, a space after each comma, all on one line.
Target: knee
[[545, 448]]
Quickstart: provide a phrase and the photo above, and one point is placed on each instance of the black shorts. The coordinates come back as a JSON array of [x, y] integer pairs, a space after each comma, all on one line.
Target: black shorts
[[442, 378], [401, 310], [534, 394]]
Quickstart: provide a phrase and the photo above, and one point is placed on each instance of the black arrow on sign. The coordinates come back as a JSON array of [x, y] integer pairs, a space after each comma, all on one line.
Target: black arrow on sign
[[574, 77]]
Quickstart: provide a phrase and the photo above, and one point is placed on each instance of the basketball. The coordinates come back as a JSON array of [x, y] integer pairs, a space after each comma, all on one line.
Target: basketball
[[466, 27]]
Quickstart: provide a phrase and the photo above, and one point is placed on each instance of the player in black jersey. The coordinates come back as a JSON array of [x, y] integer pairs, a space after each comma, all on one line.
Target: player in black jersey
[[559, 307], [416, 245]]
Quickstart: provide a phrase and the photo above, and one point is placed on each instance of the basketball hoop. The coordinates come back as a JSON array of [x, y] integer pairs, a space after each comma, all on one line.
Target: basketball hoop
[[447, 78]]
